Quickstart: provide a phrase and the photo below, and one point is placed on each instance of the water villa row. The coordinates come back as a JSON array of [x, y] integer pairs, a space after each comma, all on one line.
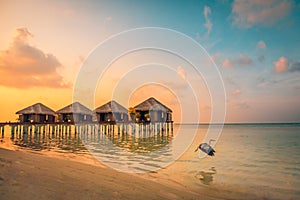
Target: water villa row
[[147, 119], [149, 111]]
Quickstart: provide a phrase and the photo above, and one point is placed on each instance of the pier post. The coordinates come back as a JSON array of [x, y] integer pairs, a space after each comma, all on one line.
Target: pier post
[[24, 129], [12, 129], [2, 131], [99, 128]]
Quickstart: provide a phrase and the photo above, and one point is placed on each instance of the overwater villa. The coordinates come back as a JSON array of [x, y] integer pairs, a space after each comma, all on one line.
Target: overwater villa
[[36, 113], [151, 110], [148, 111], [150, 116], [111, 112], [75, 112]]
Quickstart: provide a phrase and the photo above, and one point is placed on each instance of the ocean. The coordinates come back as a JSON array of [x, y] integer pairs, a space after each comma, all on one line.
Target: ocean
[[262, 160], [252, 161]]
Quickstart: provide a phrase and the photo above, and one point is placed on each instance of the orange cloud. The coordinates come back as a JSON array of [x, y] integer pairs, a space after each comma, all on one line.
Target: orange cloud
[[281, 65], [241, 60], [181, 72], [247, 13], [236, 92], [227, 63], [24, 66]]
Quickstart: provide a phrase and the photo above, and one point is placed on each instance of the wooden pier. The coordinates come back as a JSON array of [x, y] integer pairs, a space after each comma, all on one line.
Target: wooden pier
[[134, 129]]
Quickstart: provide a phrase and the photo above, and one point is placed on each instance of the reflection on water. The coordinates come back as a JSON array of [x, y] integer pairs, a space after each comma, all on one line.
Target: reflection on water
[[64, 143], [132, 153], [139, 152], [206, 177], [74, 143], [140, 145]]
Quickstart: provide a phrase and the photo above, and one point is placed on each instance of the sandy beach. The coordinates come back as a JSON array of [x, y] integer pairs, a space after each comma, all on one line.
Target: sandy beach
[[28, 175]]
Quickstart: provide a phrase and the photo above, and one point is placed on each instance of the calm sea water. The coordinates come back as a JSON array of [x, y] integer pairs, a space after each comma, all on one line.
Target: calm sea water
[[262, 160]]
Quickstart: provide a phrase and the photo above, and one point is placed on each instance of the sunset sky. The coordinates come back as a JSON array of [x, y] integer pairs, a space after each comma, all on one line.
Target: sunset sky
[[255, 45]]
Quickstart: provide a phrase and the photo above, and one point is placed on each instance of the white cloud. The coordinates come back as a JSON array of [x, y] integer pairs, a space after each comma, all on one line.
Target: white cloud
[[208, 25]]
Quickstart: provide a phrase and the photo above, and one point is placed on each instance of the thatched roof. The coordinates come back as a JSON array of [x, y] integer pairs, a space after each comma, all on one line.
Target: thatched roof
[[111, 106], [152, 104], [76, 108], [37, 108]]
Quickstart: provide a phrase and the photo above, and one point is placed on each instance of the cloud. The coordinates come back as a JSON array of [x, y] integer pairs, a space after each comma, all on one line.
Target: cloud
[[236, 92], [241, 60], [208, 25], [261, 58], [181, 72], [230, 81], [216, 58], [281, 65], [227, 63], [21, 35], [261, 44], [265, 82], [295, 67], [247, 13], [107, 19], [242, 105], [24, 66]]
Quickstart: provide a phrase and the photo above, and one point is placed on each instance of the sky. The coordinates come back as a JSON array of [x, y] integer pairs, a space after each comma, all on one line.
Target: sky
[[254, 45]]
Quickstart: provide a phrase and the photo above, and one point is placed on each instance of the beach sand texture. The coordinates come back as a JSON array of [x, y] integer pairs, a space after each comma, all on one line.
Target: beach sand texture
[[26, 175]]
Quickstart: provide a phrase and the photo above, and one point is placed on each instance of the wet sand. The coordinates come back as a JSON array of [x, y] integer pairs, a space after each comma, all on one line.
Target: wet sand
[[35, 175], [29, 175]]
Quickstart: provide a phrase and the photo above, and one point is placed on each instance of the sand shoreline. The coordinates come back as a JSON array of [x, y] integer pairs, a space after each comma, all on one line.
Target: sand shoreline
[[27, 175]]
